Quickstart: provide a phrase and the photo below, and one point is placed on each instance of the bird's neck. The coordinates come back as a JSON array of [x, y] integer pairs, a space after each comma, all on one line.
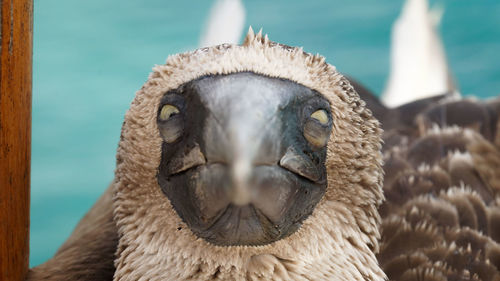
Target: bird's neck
[[329, 246]]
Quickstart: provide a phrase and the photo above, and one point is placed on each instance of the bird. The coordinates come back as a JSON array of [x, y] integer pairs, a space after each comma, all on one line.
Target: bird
[[419, 67], [236, 162], [225, 24], [261, 161]]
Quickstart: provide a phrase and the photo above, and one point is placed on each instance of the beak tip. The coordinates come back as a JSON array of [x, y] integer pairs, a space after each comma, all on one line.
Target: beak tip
[[240, 192]]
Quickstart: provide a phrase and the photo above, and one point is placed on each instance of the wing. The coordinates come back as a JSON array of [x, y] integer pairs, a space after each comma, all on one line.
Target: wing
[[441, 217], [89, 252]]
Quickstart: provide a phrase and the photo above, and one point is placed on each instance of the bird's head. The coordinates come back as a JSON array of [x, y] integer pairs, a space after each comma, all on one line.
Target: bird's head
[[251, 161]]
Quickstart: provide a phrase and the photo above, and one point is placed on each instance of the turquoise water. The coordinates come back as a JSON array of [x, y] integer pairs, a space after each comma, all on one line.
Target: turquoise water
[[91, 56]]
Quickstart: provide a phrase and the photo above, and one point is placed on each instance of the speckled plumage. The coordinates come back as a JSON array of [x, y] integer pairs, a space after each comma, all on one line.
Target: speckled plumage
[[336, 241]]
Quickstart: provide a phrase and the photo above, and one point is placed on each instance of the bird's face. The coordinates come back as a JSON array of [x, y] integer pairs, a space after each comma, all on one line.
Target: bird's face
[[243, 156], [213, 144]]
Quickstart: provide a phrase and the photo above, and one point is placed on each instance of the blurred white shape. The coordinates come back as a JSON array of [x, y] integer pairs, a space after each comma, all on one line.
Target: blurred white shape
[[225, 23], [419, 68]]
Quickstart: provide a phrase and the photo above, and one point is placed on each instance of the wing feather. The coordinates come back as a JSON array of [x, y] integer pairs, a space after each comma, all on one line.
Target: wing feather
[[89, 252], [441, 218]]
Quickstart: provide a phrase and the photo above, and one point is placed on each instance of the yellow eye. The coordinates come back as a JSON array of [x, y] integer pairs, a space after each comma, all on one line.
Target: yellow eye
[[317, 131], [321, 116], [171, 129], [167, 111]]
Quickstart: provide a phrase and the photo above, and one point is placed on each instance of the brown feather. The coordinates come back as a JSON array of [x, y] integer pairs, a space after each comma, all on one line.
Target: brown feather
[[89, 253], [441, 220]]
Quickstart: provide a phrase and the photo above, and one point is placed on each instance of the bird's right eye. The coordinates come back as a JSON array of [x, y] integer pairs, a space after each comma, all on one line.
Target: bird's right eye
[[321, 116], [317, 128], [170, 123]]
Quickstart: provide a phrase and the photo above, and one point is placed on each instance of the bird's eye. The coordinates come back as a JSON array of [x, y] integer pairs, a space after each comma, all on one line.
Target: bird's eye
[[170, 123], [321, 116], [317, 128], [167, 111]]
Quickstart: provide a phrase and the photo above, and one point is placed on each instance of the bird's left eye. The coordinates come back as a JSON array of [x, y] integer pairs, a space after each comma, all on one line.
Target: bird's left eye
[[167, 111], [170, 123], [317, 128]]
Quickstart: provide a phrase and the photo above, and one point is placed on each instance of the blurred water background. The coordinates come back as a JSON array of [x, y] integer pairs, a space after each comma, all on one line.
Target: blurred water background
[[91, 56]]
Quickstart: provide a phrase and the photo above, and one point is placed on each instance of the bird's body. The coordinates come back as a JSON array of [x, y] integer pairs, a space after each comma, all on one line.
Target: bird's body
[[294, 171], [441, 217]]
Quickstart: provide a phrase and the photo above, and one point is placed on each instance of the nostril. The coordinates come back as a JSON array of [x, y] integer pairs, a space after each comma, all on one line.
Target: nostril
[[300, 163], [185, 160]]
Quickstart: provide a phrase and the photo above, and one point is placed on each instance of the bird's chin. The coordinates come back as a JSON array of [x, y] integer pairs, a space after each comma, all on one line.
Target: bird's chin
[[279, 201], [240, 225]]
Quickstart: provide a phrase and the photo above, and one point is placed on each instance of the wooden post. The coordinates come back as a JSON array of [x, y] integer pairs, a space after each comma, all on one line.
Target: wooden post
[[15, 136]]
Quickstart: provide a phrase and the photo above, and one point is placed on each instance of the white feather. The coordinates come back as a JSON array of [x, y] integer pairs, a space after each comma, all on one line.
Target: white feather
[[225, 23], [419, 68]]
